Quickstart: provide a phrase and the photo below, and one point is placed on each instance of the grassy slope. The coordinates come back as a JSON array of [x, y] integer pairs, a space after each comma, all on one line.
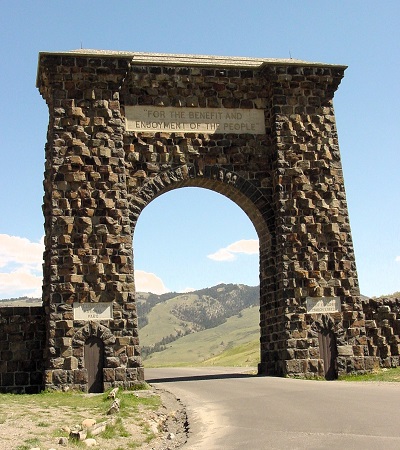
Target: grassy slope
[[162, 323], [236, 342]]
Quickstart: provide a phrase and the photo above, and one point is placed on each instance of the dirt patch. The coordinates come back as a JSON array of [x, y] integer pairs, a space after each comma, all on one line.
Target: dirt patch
[[157, 422], [174, 429]]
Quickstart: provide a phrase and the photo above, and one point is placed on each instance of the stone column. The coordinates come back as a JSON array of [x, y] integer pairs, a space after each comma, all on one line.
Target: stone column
[[315, 256], [88, 257]]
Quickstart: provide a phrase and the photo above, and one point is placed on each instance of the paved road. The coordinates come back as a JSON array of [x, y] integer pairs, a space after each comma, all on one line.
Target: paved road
[[230, 410]]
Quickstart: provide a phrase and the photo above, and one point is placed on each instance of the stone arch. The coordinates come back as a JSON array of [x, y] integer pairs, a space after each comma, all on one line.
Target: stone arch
[[259, 131], [216, 178], [253, 203], [92, 331]]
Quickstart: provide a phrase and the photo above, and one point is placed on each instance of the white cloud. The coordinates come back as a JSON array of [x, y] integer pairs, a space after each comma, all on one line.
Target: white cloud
[[223, 254], [149, 282], [397, 259], [187, 290], [21, 267], [247, 246], [21, 251], [20, 283]]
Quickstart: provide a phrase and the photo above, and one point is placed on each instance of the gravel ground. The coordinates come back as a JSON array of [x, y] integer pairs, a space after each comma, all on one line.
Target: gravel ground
[[41, 428]]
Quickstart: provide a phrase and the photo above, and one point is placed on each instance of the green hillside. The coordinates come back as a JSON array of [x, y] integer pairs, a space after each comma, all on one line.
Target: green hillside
[[162, 323], [235, 342], [165, 319]]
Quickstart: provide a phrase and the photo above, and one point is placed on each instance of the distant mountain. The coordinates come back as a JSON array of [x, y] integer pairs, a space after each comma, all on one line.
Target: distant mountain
[[166, 318]]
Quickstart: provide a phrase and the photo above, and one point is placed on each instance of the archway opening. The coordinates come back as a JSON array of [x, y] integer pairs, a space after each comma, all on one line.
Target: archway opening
[[196, 251]]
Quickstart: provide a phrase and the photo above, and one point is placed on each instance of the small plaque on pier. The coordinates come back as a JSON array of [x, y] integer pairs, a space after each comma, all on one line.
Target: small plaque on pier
[[318, 305], [93, 311]]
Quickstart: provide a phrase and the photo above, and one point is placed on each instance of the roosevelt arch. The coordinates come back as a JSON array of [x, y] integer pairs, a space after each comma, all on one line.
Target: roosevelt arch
[[261, 132]]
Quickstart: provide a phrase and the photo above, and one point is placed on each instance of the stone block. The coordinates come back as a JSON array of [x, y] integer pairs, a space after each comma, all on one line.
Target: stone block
[[80, 376], [123, 340], [109, 375], [120, 374], [313, 366], [345, 350], [71, 363], [22, 379], [294, 367], [59, 377], [57, 363], [112, 362]]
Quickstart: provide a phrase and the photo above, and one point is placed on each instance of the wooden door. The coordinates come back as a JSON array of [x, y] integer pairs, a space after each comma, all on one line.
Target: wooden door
[[94, 363], [328, 352]]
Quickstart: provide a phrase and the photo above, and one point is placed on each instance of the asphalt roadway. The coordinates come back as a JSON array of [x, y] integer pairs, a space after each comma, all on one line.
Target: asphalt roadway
[[231, 409]]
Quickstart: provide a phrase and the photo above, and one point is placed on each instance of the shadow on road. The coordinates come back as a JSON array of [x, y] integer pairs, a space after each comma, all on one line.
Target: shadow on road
[[218, 376]]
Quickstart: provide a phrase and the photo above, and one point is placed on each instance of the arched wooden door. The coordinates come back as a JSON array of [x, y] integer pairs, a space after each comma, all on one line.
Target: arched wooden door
[[328, 352], [94, 363]]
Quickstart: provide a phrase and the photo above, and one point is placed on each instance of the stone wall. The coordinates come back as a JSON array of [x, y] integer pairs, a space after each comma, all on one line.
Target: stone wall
[[22, 343], [382, 323]]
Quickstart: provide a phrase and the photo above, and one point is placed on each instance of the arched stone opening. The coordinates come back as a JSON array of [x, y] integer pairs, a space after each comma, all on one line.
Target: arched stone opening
[[235, 188], [92, 345], [325, 333]]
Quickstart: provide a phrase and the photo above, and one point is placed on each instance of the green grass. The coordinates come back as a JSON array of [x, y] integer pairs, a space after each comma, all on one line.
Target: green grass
[[43, 424], [234, 343], [72, 400], [28, 444], [162, 322], [387, 375], [247, 354], [50, 411], [115, 430]]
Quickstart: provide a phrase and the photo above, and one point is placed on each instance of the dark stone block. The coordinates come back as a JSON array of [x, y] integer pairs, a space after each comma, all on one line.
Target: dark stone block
[[33, 389], [22, 378], [7, 379], [36, 378]]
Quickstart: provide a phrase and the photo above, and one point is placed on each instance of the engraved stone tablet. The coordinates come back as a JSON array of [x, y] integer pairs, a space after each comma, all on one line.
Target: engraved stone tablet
[[92, 311], [316, 305], [194, 120]]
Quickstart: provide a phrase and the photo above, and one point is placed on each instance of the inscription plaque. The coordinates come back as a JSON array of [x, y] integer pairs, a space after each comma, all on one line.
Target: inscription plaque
[[316, 305], [92, 311], [194, 120]]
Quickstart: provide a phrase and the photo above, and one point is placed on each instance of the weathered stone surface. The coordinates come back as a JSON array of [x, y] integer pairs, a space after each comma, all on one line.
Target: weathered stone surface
[[98, 428], [78, 434], [114, 408], [63, 441], [88, 423], [345, 350]]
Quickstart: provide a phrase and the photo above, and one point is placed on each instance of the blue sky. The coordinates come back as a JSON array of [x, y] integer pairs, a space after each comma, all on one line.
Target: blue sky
[[189, 238]]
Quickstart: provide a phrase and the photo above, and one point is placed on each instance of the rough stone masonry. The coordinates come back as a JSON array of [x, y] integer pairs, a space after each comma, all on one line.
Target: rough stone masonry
[[125, 128]]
